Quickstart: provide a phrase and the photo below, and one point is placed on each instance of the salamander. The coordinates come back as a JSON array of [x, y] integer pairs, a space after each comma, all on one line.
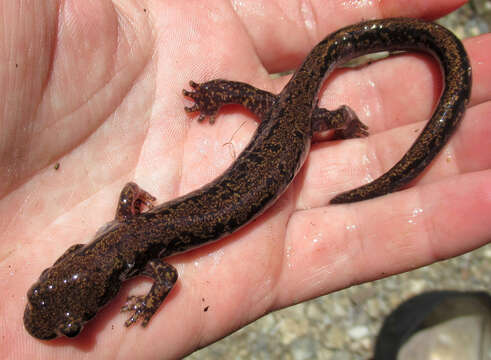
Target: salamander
[[87, 277]]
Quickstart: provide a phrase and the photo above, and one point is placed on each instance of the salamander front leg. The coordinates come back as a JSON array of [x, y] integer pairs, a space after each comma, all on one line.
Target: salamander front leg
[[164, 276], [343, 121], [210, 96], [131, 201]]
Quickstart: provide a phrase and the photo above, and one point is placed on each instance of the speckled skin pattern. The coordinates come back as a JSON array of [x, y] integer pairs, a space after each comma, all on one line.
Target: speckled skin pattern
[[86, 277]]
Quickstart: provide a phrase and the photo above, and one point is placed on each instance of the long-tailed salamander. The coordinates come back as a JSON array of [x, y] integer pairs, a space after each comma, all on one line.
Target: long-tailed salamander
[[87, 277]]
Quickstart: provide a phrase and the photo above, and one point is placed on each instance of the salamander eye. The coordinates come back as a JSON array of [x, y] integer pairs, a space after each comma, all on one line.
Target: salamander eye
[[32, 292], [71, 329], [34, 295], [43, 274]]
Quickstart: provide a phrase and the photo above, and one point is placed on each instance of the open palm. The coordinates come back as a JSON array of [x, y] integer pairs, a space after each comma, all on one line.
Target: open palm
[[91, 99]]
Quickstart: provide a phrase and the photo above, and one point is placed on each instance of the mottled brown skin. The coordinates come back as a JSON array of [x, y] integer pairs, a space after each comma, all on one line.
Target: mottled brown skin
[[86, 277]]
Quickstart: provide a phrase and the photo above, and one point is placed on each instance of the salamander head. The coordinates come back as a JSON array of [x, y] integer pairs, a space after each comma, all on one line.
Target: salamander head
[[60, 302]]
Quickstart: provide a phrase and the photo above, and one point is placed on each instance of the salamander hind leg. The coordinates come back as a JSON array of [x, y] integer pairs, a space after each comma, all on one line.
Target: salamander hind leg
[[131, 201], [210, 96], [343, 121], [143, 307]]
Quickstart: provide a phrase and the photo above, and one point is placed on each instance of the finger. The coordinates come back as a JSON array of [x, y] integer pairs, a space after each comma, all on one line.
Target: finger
[[479, 48], [334, 247], [284, 31]]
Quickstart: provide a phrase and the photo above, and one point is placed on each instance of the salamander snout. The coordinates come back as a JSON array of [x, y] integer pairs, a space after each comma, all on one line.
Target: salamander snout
[[58, 304], [48, 315]]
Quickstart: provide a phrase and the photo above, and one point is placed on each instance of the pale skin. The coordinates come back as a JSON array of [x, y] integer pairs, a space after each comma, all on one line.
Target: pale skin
[[96, 87]]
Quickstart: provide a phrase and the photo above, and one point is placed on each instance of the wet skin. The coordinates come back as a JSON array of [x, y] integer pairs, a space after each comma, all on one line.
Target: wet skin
[[87, 277]]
